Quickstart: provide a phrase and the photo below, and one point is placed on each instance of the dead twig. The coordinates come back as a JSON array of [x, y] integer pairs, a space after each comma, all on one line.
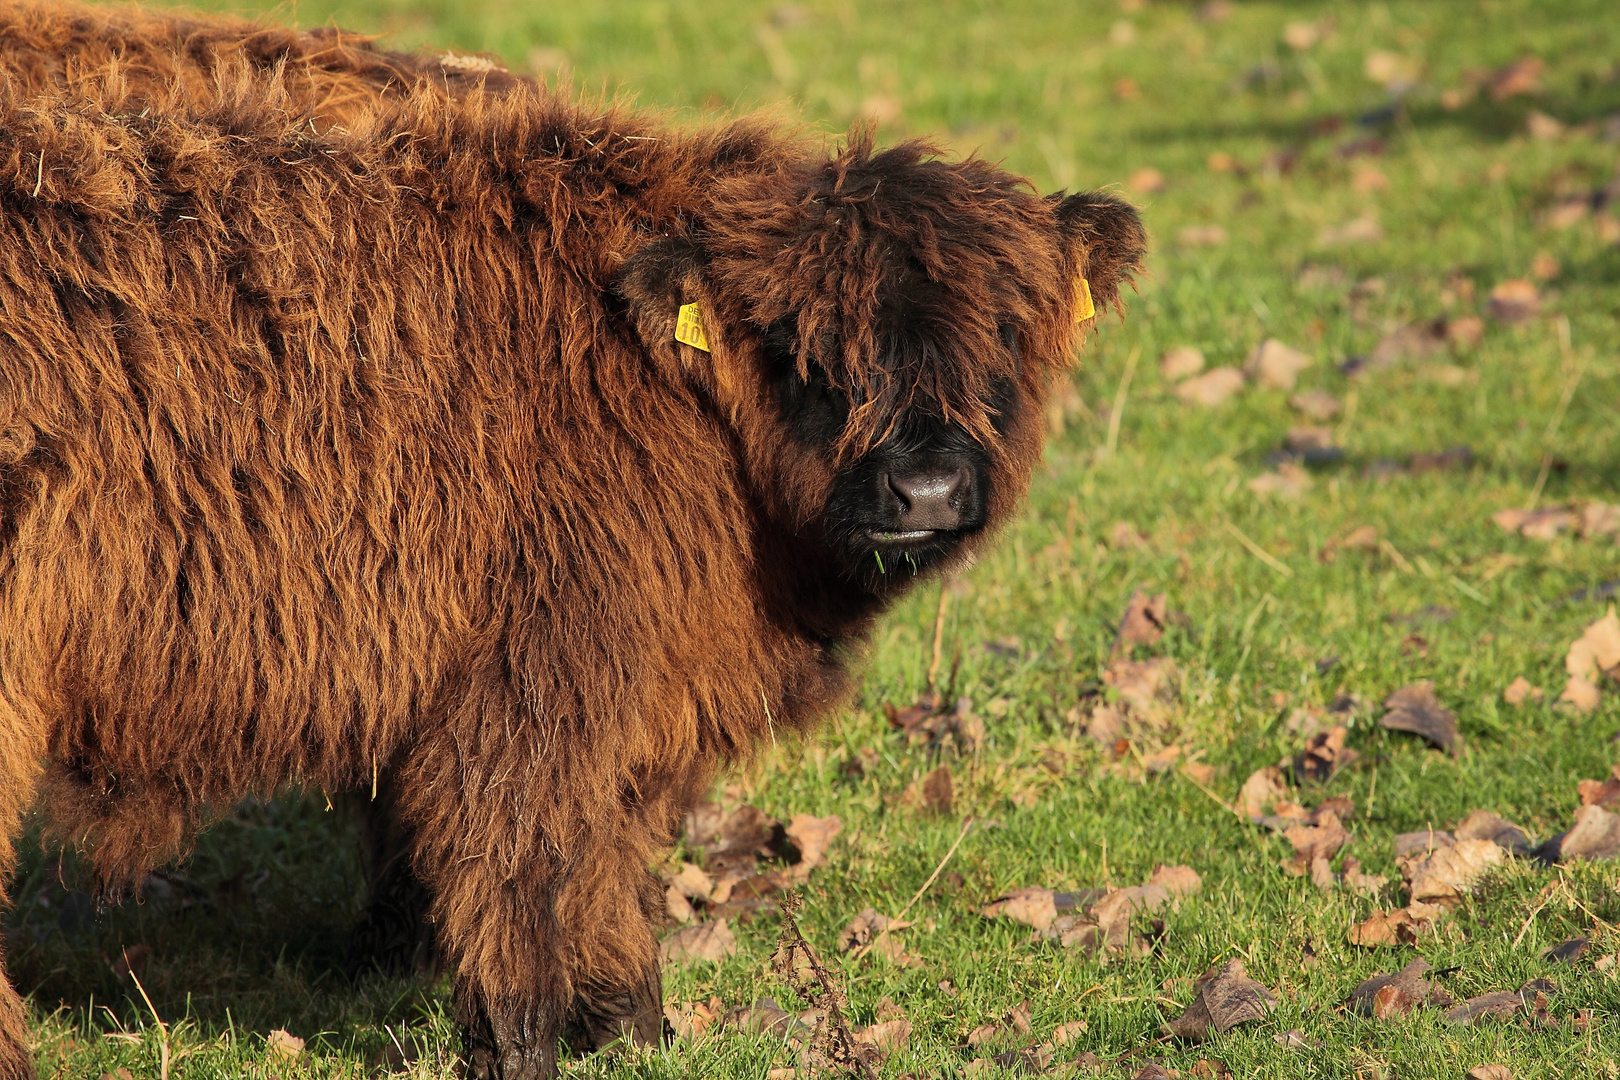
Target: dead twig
[[832, 1044]]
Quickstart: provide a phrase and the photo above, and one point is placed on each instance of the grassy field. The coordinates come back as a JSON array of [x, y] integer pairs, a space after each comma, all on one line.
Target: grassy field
[[1360, 185]]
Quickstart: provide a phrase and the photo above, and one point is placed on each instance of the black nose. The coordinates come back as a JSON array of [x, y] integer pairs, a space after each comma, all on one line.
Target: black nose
[[931, 500]]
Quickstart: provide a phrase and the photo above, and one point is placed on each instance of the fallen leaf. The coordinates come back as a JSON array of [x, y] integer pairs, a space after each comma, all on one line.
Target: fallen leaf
[[1519, 691], [1287, 481], [812, 836], [1211, 388], [710, 941], [1360, 883], [1544, 267], [1320, 841], [1178, 363], [281, 1044], [1030, 906], [1146, 180], [1383, 996], [1466, 332], [1492, 1006], [1523, 76], [1222, 999], [1294, 1039], [1422, 843], [889, 1036], [1514, 301], [692, 883], [1581, 693], [677, 906], [864, 928], [1415, 342], [1161, 761], [937, 792], [1308, 437], [1597, 651], [1324, 755], [1450, 873], [1275, 366], [1402, 926], [1484, 825], [1567, 951], [1596, 835], [690, 1019], [1318, 405], [1202, 236], [1362, 230], [1143, 622], [1261, 791], [1301, 35], [1489, 1072], [764, 1017], [1605, 792], [1414, 708], [1600, 519]]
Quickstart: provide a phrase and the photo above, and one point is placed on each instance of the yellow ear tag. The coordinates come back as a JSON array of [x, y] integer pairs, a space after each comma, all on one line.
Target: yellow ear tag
[[689, 327], [1083, 307]]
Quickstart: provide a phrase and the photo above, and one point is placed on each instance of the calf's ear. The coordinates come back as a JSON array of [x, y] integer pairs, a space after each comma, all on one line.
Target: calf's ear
[[657, 281], [1104, 237]]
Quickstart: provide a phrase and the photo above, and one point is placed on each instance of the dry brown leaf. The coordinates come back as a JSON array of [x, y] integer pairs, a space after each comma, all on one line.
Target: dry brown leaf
[[1597, 651], [692, 882], [1523, 76], [937, 792], [1450, 873], [1495, 1005], [1596, 835], [710, 941], [1324, 755], [1605, 792], [1581, 693], [1275, 366], [1143, 622], [691, 1019], [1397, 927], [1211, 388], [1362, 230], [1317, 405], [1287, 481], [677, 906], [1383, 996], [1261, 792], [283, 1045], [1146, 181], [1360, 883], [1519, 691], [1179, 363], [1600, 519], [1319, 841], [1222, 999], [1202, 236], [813, 836], [1031, 906], [1418, 341], [1415, 709], [889, 1036], [1514, 301], [1484, 825], [1489, 1072]]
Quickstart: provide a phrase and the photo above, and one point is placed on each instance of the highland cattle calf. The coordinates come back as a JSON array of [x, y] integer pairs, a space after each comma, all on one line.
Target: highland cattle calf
[[366, 457]]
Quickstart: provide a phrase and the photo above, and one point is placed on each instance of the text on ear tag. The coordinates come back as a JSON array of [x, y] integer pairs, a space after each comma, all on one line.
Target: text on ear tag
[[1083, 307], [689, 327]]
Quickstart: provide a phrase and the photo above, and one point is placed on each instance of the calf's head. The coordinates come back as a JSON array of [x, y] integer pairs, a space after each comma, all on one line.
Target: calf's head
[[882, 330]]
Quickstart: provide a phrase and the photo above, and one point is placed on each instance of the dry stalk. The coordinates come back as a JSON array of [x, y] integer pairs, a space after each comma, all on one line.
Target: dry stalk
[[832, 1044]]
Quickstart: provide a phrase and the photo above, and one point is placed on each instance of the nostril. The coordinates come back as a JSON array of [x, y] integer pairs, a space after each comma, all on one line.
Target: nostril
[[931, 500]]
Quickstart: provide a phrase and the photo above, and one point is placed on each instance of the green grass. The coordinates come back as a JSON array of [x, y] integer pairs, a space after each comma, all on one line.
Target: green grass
[[1036, 86]]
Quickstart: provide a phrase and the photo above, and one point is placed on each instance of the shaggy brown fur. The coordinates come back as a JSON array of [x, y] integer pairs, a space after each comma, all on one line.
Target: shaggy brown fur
[[361, 456]]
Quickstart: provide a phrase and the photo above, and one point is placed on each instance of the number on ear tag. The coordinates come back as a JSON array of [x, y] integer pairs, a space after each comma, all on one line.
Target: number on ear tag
[[689, 327]]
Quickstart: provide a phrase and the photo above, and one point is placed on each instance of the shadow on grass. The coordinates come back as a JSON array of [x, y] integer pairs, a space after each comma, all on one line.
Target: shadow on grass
[[251, 931]]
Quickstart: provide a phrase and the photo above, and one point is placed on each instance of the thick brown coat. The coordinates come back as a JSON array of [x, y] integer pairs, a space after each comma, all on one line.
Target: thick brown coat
[[361, 454]]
